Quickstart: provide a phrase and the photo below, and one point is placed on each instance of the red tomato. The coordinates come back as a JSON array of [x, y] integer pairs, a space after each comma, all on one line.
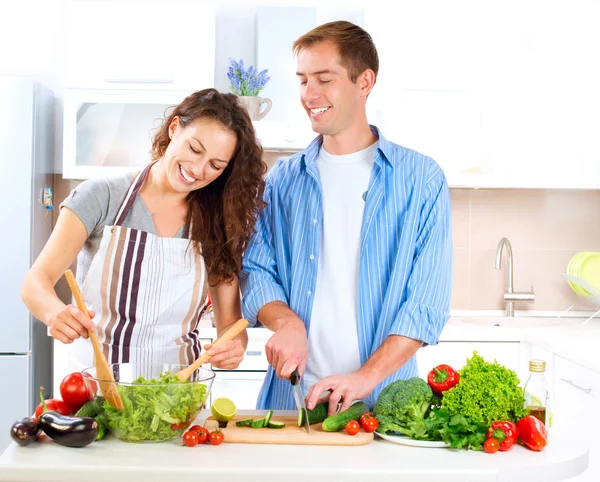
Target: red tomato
[[75, 392], [190, 438], [491, 446], [202, 433], [370, 425], [216, 437], [90, 384], [352, 427], [176, 426], [53, 405], [363, 418]]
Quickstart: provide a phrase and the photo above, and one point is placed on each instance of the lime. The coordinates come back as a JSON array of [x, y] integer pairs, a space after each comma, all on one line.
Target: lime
[[223, 409]]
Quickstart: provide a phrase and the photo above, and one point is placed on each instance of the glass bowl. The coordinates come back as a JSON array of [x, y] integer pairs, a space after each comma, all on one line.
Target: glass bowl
[[157, 406]]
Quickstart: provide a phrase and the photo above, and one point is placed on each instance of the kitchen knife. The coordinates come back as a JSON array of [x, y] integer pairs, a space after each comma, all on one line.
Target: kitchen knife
[[299, 398]]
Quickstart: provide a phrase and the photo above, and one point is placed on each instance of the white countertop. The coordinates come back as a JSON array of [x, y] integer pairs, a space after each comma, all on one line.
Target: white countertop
[[110, 460]]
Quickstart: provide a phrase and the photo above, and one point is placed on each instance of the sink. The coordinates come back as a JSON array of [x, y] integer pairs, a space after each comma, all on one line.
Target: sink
[[515, 323]]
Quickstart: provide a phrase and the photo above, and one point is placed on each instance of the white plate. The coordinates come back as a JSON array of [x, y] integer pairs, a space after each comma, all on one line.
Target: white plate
[[404, 440]]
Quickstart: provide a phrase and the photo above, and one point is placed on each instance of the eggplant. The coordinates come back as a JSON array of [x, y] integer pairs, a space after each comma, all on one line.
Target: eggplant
[[24, 431], [69, 431]]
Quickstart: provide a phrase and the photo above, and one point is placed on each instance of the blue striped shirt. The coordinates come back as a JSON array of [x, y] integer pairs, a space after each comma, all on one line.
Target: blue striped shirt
[[405, 271]]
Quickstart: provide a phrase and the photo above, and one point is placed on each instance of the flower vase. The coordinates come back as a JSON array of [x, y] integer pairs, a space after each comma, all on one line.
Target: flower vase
[[254, 105]]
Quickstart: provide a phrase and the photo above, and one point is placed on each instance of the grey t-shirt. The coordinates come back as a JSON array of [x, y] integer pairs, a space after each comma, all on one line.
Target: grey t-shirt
[[96, 202]]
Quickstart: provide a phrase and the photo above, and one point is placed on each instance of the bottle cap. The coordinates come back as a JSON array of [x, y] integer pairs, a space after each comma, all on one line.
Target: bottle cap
[[537, 365]]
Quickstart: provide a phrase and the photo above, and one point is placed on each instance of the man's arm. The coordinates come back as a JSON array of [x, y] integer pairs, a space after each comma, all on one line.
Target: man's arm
[[264, 299], [421, 317]]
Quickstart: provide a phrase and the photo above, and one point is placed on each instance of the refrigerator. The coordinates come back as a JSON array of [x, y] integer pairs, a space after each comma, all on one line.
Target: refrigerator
[[26, 165]]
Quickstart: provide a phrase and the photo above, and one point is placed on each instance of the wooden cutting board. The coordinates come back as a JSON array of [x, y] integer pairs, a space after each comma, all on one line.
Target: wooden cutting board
[[291, 434]]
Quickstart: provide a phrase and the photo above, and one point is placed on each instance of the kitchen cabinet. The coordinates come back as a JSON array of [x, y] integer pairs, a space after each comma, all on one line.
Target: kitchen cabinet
[[498, 99], [140, 45], [574, 399], [243, 384], [108, 132], [239, 386]]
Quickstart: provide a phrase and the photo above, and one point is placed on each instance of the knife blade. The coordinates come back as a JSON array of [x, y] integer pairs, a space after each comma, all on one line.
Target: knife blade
[[299, 398]]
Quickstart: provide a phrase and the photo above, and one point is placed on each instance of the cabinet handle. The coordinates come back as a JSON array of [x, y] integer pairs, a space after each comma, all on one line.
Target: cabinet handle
[[139, 81], [253, 353], [571, 382]]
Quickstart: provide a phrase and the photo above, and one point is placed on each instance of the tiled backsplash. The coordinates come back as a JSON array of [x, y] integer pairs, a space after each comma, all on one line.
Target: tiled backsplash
[[545, 228]]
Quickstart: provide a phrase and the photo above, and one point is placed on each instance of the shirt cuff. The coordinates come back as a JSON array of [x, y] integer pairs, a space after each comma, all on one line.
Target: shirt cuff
[[420, 322], [261, 293]]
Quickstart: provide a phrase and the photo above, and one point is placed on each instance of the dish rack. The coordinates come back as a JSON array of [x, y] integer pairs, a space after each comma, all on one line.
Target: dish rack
[[594, 297]]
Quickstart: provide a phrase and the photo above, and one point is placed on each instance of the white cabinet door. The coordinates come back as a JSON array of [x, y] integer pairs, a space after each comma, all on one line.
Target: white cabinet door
[[140, 45], [240, 387], [576, 402], [108, 132], [455, 354], [16, 404]]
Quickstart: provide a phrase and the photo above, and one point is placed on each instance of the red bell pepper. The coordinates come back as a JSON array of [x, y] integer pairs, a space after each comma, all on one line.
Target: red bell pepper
[[442, 378], [504, 432], [533, 433]]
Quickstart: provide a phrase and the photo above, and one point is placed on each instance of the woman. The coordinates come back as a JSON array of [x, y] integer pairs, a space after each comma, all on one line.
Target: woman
[[150, 246]]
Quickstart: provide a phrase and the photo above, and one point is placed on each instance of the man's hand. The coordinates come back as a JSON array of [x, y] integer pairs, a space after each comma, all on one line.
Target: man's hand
[[287, 349], [342, 388]]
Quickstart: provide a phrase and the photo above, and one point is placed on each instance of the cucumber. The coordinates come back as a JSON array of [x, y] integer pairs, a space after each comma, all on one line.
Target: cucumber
[[260, 423], [87, 410], [268, 417], [339, 421], [275, 424], [101, 430], [316, 415], [244, 423]]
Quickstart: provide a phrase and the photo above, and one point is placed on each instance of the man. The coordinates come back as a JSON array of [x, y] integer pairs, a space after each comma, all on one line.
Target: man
[[351, 264]]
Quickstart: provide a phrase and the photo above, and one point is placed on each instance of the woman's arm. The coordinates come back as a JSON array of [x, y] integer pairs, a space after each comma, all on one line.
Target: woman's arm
[[226, 303], [66, 322]]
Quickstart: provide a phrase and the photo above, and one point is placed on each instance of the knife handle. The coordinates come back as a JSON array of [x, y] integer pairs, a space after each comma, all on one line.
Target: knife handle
[[295, 377]]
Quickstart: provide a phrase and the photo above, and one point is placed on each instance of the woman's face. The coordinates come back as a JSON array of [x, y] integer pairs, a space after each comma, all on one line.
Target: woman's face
[[197, 153]]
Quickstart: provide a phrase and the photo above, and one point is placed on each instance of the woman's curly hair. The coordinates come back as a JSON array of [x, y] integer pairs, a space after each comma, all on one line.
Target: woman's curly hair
[[223, 213]]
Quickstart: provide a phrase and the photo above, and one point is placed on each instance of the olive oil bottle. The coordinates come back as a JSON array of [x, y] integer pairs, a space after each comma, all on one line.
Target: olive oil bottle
[[536, 391]]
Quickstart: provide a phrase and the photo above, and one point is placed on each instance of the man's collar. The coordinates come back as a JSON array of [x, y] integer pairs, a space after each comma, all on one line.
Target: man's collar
[[310, 154]]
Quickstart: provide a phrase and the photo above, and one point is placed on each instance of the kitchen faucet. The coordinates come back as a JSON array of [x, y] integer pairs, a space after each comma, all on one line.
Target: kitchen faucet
[[510, 296]]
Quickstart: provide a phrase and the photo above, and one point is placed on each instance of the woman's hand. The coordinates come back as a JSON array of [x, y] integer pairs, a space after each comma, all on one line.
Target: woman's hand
[[71, 323], [227, 355]]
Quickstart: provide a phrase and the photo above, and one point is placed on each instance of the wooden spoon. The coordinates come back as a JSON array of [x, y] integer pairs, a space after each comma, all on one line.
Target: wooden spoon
[[233, 331], [103, 371]]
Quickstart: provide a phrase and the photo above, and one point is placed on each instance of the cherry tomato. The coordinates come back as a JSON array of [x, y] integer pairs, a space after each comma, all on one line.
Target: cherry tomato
[[352, 427], [202, 433], [216, 437], [190, 438], [176, 426], [363, 418], [370, 425], [491, 446], [53, 405], [75, 392]]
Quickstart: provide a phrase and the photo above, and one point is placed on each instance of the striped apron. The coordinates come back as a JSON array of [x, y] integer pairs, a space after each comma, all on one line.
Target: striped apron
[[148, 293]]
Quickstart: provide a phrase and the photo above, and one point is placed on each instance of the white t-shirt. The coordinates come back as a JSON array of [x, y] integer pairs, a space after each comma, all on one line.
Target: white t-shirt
[[333, 333]]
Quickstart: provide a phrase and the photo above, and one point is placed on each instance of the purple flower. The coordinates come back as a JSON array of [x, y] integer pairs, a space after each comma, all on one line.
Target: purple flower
[[246, 82]]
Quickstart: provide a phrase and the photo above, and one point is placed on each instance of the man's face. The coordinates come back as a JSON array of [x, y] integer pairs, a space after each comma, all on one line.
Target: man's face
[[332, 101]]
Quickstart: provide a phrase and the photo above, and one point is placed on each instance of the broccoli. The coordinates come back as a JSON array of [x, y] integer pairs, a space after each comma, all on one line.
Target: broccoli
[[402, 405]]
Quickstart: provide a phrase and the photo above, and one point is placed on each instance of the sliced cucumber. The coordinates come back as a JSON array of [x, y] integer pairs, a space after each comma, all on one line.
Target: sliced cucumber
[[339, 421], [275, 424], [260, 423], [316, 415], [244, 423], [268, 417]]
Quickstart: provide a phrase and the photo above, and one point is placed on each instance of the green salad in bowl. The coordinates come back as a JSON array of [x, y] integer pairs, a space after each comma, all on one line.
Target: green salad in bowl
[[158, 407]]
